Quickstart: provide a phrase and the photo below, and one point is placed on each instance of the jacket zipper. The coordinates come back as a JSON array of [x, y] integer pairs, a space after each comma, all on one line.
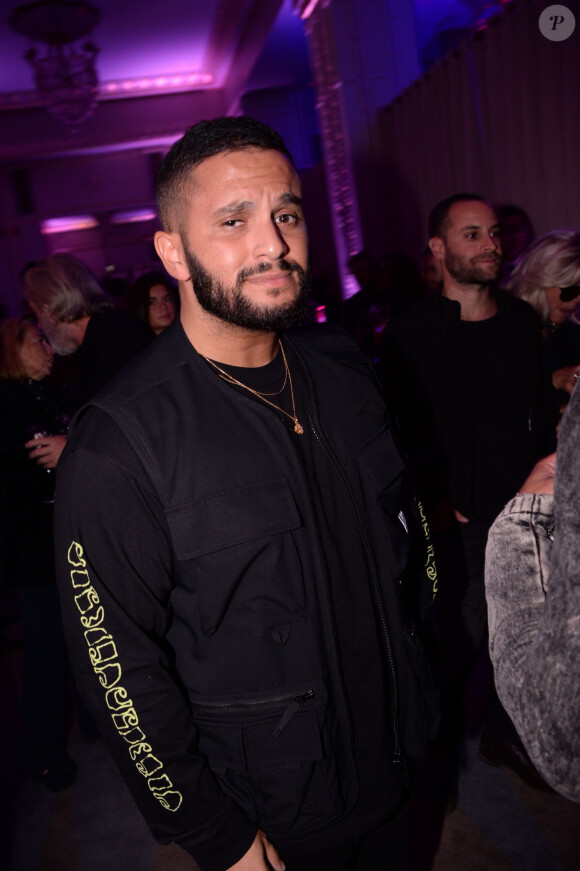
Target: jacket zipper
[[326, 582], [375, 584]]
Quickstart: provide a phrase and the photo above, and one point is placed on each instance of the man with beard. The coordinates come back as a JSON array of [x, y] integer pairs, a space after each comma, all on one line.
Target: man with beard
[[230, 545], [462, 370], [79, 321]]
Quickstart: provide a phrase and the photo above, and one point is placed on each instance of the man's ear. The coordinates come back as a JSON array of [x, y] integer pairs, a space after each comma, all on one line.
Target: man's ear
[[437, 246], [170, 251]]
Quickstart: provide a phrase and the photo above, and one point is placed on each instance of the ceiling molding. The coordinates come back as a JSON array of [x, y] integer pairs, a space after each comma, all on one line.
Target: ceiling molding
[[32, 134], [238, 27]]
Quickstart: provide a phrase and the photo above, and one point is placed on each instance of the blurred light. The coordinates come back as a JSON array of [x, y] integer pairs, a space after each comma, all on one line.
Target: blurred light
[[308, 9], [68, 225], [133, 216], [158, 84]]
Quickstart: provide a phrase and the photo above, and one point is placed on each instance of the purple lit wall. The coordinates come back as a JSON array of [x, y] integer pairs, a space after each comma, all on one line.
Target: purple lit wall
[[500, 116]]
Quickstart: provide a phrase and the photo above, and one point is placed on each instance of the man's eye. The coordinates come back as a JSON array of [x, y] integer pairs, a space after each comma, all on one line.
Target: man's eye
[[287, 219], [233, 222]]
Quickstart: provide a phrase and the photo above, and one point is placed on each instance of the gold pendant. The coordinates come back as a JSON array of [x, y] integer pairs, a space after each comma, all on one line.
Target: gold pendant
[[297, 428]]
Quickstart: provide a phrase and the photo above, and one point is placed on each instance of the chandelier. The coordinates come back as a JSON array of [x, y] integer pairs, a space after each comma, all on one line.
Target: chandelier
[[64, 70]]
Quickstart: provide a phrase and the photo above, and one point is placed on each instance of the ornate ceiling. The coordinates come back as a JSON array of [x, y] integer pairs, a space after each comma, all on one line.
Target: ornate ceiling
[[161, 64]]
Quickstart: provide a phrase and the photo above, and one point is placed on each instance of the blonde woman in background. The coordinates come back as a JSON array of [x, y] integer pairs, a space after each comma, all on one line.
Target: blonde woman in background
[[547, 276]]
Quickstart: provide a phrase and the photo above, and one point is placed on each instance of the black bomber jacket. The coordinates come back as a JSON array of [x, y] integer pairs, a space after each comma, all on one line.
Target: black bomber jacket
[[198, 626]]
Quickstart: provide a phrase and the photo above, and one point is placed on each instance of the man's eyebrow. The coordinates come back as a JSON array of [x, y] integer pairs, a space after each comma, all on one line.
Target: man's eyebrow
[[291, 199], [231, 208], [478, 227], [243, 205]]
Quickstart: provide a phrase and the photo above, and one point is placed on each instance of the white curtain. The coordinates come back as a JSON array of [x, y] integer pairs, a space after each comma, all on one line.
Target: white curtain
[[499, 116]]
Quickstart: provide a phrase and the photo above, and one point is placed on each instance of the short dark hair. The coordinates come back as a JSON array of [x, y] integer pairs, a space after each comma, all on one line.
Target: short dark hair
[[206, 139], [439, 217], [509, 210]]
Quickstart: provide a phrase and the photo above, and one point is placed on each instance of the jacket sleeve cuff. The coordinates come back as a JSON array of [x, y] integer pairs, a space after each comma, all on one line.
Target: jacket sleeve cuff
[[539, 507], [226, 846]]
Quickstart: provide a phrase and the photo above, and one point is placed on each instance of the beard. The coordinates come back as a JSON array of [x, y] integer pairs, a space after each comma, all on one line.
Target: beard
[[466, 271], [61, 341], [231, 305]]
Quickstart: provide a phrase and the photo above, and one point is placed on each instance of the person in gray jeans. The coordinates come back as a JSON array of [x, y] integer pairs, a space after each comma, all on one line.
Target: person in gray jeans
[[532, 579]]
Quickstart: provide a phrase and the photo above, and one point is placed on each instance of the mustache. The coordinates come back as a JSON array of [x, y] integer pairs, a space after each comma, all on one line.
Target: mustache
[[262, 268]]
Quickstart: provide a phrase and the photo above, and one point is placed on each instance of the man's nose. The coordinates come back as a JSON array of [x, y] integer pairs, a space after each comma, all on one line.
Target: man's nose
[[269, 242], [492, 243]]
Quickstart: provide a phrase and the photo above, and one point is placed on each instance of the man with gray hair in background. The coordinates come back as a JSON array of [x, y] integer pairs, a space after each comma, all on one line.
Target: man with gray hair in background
[[76, 315]]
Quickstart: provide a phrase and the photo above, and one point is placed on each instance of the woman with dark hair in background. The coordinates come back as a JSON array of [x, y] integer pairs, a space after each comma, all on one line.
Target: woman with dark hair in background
[[33, 421], [154, 301]]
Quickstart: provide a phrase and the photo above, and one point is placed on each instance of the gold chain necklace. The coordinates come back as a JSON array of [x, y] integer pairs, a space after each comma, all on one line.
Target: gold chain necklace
[[286, 372], [298, 428], [231, 380]]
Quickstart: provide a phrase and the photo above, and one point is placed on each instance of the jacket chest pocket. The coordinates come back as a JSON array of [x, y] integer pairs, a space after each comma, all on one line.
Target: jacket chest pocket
[[237, 555], [272, 755]]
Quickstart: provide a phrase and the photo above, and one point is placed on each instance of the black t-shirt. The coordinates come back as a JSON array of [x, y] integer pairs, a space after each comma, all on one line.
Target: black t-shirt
[[501, 416]]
